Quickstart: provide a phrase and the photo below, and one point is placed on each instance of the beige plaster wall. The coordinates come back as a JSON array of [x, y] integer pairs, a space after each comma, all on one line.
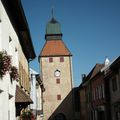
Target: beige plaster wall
[[51, 105]]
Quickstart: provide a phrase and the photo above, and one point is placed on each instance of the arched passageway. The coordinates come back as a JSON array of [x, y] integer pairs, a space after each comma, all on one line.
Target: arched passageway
[[60, 116]]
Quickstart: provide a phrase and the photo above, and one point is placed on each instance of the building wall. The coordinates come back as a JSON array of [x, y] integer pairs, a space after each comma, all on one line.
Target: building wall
[[36, 95], [23, 70], [39, 102], [50, 103], [7, 110], [88, 91], [115, 95], [82, 103], [98, 94], [33, 93], [98, 98]]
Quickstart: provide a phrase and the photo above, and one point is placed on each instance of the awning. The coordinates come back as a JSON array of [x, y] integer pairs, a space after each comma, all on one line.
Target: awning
[[22, 97]]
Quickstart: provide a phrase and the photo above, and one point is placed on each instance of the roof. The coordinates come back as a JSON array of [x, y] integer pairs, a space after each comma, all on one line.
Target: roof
[[17, 17], [108, 65], [21, 96], [53, 27], [54, 48], [33, 71], [96, 69], [116, 63]]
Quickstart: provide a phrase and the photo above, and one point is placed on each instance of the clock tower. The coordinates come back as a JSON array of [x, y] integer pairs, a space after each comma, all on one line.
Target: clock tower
[[56, 72]]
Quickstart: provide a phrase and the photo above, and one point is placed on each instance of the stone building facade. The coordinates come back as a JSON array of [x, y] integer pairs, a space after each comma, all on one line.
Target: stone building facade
[[99, 92], [112, 75], [56, 72]]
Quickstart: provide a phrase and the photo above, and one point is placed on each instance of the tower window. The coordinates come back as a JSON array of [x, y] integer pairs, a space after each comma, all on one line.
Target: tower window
[[61, 59], [50, 59], [58, 97], [58, 81]]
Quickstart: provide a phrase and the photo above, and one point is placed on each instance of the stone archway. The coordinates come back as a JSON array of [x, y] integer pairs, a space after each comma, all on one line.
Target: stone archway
[[60, 116]]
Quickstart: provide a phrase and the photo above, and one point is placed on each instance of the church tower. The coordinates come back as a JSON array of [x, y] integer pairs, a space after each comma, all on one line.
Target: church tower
[[56, 72]]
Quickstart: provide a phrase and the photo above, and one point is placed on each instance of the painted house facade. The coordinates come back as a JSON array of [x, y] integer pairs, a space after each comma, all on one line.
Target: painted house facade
[[14, 35]]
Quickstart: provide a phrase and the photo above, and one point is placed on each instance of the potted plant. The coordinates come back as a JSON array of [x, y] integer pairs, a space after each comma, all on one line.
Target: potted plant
[[14, 73], [5, 63], [28, 115]]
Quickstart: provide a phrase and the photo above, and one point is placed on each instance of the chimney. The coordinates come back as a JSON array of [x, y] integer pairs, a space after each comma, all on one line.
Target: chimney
[[83, 77]]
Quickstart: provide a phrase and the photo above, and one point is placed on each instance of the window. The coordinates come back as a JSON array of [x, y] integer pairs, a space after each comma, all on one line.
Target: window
[[10, 46], [10, 39], [102, 91], [99, 92], [61, 59], [58, 97], [96, 94], [50, 59], [93, 94], [58, 81], [0, 34], [114, 84]]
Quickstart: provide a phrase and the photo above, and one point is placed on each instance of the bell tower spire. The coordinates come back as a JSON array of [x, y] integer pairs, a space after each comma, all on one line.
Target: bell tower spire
[[53, 29], [52, 12]]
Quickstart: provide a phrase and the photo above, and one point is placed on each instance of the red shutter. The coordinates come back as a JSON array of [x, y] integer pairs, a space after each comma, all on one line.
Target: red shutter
[[50, 59], [61, 59], [58, 81], [58, 97]]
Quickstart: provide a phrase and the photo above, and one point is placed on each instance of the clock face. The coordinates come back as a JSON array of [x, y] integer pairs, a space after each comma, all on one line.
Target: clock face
[[57, 73]]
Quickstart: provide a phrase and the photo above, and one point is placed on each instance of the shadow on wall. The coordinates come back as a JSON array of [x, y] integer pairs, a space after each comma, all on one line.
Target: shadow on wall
[[66, 110]]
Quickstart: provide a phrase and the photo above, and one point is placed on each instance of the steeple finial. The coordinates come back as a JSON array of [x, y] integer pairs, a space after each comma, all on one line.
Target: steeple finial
[[107, 61], [52, 12]]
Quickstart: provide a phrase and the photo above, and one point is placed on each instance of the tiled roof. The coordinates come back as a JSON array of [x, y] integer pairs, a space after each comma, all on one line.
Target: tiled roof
[[54, 48], [95, 70], [116, 62], [21, 96], [17, 17]]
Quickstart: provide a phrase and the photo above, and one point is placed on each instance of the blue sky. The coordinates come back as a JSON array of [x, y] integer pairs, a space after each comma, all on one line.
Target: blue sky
[[91, 29]]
